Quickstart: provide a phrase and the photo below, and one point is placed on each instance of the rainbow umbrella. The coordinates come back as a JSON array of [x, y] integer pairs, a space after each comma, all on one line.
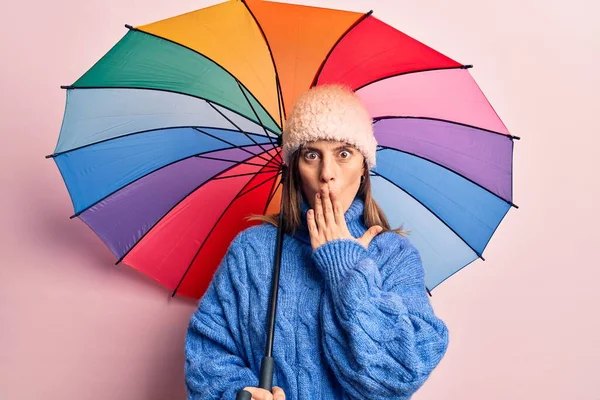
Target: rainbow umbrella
[[171, 139]]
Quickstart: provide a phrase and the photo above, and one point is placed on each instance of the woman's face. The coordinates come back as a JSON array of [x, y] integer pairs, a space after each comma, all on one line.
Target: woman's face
[[336, 165]]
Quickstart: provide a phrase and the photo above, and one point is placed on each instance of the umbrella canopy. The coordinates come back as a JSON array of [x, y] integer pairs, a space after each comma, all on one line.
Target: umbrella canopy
[[171, 139]]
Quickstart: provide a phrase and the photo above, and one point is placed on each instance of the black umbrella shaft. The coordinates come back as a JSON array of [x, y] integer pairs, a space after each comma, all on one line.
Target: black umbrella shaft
[[267, 366], [274, 288]]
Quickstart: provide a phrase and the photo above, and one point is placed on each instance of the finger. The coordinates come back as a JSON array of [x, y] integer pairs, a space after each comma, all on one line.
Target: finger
[[327, 206], [319, 212], [312, 228], [338, 212], [312, 224], [259, 394], [278, 393], [368, 236]]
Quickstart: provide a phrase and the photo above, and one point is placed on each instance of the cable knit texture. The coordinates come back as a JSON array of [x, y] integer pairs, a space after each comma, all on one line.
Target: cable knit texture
[[352, 323]]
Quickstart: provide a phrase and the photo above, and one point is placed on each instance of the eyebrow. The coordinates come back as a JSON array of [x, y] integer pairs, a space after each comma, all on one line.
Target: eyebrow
[[341, 147], [344, 147]]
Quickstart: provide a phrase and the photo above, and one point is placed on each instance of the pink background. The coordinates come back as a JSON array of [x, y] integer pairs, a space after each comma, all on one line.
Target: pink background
[[523, 325]]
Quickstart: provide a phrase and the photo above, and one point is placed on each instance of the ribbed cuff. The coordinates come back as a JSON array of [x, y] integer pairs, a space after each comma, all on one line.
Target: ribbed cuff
[[335, 258]]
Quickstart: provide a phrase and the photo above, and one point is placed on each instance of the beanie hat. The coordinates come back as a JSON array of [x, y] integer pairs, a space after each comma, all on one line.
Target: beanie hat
[[329, 112]]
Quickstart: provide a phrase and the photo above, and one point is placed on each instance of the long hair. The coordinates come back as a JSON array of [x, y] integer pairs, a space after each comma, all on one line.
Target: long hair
[[292, 199]]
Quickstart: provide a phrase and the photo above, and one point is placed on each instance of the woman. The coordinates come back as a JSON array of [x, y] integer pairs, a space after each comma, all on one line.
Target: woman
[[353, 317]]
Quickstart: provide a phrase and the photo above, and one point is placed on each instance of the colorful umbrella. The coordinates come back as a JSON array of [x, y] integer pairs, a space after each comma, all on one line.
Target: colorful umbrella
[[171, 139]]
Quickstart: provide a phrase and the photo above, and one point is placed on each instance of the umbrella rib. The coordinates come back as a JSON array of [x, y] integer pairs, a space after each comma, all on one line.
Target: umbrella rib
[[254, 111], [273, 159], [173, 207], [53, 155], [448, 169], [259, 155], [277, 173], [279, 150], [205, 56], [449, 276], [495, 229], [413, 72], [266, 171], [257, 186], [381, 118], [70, 87], [206, 238], [277, 82], [273, 191], [233, 161], [151, 172], [354, 25], [242, 131], [428, 209], [280, 99]]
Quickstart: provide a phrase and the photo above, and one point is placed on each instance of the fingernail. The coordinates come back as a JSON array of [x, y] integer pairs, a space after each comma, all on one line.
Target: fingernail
[[318, 195]]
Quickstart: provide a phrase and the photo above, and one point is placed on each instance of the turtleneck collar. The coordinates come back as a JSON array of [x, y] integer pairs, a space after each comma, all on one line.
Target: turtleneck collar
[[353, 216]]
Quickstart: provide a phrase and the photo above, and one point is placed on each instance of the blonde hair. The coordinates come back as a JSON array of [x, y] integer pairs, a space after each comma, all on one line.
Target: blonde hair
[[292, 199]]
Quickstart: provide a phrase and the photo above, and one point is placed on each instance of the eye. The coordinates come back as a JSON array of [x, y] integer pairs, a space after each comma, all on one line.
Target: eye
[[311, 155], [344, 154]]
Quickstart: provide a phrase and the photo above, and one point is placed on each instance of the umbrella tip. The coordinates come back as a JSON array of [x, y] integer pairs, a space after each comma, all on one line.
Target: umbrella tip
[[467, 66], [129, 27], [428, 291]]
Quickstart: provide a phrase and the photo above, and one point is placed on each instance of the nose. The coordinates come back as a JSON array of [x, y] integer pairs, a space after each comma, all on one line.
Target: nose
[[327, 170]]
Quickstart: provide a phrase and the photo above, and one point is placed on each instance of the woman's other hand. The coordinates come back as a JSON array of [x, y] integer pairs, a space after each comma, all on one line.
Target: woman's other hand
[[262, 394], [326, 222]]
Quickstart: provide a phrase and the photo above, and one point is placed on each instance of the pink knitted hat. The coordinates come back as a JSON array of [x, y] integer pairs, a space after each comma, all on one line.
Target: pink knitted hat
[[329, 112]]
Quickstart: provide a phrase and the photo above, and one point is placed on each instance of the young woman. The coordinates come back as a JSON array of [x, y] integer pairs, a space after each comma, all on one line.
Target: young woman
[[354, 319]]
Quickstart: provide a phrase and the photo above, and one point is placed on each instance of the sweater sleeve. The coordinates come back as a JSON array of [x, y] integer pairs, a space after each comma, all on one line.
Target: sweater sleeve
[[215, 367], [381, 336]]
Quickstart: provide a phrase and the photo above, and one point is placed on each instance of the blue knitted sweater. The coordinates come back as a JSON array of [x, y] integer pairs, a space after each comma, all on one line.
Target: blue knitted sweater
[[351, 323]]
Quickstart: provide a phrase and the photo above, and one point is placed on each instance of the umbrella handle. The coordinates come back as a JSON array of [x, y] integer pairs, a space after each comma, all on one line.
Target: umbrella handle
[[265, 380], [266, 373], [243, 395]]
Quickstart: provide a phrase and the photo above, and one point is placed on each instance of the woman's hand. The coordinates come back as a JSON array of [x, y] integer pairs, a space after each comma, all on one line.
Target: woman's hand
[[262, 394], [326, 222]]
